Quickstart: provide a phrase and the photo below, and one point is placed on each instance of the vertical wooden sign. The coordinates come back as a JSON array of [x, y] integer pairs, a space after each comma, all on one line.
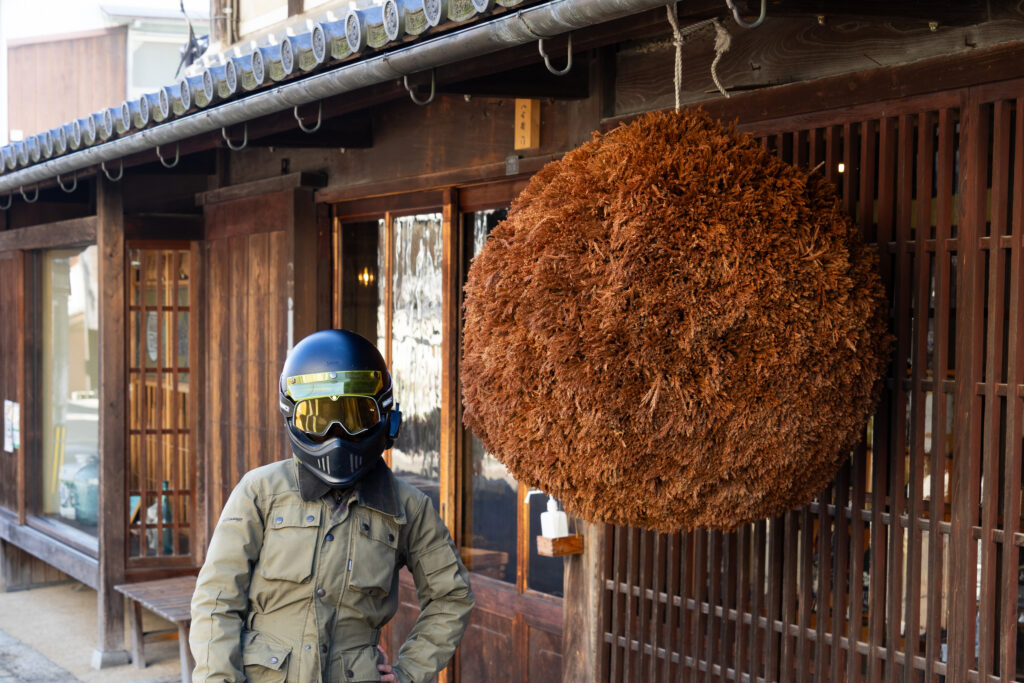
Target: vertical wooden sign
[[527, 124]]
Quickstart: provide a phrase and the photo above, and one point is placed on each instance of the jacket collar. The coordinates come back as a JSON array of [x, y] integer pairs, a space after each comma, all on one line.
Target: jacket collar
[[375, 490]]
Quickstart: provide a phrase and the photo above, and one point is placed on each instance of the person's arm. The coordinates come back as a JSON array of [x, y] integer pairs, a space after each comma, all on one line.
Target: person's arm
[[442, 584], [222, 589]]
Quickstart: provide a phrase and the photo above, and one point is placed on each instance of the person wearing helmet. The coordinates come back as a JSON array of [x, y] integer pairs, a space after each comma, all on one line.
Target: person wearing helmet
[[302, 569]]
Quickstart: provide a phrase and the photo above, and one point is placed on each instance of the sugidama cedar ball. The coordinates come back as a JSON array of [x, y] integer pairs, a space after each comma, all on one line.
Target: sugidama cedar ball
[[674, 329]]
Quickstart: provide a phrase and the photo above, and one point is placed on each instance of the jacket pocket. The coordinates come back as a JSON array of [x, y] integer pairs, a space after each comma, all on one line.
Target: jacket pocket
[[442, 571], [289, 544], [374, 549], [264, 661], [359, 664]]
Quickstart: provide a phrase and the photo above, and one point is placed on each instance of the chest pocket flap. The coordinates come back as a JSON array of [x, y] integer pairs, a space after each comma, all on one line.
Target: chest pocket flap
[[290, 543], [374, 553]]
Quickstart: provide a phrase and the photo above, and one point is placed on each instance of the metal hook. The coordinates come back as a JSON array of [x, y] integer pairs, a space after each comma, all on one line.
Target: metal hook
[[736, 14], [103, 165], [412, 95], [177, 152], [245, 138], [10, 200], [74, 183], [547, 61], [27, 200], [319, 118]]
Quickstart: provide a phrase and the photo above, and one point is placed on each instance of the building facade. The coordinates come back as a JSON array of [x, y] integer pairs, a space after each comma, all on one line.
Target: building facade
[[153, 280]]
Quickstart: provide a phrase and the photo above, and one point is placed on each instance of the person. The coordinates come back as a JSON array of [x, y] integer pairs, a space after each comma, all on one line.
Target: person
[[302, 569]]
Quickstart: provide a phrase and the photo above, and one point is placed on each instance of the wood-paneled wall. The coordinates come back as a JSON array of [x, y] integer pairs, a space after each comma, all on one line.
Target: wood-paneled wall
[[96, 82], [10, 291], [247, 313], [19, 570]]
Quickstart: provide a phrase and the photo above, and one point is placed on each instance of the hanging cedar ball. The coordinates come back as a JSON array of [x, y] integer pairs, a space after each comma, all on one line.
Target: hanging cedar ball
[[674, 329]]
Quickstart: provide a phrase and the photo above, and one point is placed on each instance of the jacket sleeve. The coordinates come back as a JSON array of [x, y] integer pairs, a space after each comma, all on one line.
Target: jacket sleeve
[[442, 585], [221, 600]]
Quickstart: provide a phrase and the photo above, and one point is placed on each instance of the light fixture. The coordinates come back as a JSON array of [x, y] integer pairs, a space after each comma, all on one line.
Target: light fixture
[[841, 168], [365, 278]]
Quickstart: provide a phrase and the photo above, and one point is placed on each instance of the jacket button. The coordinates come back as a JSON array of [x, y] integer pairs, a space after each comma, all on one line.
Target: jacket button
[[348, 673], [309, 647], [323, 648], [366, 527], [320, 592], [273, 660], [279, 520], [310, 518], [329, 537], [391, 537]]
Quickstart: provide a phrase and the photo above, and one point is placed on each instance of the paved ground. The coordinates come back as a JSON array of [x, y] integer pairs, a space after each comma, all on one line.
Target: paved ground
[[47, 635]]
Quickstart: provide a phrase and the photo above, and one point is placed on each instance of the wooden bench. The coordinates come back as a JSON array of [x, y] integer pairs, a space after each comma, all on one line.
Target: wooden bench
[[167, 598]]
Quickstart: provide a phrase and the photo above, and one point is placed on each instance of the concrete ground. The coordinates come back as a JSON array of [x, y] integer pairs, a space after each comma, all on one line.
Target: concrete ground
[[47, 635]]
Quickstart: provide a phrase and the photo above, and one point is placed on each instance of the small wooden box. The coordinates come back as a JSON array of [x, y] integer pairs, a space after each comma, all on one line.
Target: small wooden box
[[558, 547]]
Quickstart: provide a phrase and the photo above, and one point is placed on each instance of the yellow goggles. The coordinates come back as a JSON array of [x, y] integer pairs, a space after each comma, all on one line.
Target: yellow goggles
[[355, 414]]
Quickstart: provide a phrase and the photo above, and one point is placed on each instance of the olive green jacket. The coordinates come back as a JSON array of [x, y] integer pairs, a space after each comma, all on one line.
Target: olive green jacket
[[299, 580]]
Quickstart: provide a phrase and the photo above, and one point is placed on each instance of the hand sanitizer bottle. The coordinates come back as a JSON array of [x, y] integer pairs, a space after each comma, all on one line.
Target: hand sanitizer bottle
[[553, 523]]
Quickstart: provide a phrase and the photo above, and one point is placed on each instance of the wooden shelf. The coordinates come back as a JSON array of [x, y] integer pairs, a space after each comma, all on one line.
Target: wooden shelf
[[559, 547]]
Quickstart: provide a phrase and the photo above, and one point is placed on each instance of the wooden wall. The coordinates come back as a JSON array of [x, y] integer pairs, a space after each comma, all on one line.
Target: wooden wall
[[20, 570], [10, 310], [78, 74], [247, 313]]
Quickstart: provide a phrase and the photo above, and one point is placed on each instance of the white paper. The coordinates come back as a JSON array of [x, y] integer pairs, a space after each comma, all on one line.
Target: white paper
[[8, 426], [16, 425]]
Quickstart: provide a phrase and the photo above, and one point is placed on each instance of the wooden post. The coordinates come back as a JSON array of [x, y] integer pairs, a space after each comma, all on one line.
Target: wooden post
[[110, 650], [582, 620], [304, 265]]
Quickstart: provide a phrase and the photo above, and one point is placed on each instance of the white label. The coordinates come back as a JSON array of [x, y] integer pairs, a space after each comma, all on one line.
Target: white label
[[8, 426]]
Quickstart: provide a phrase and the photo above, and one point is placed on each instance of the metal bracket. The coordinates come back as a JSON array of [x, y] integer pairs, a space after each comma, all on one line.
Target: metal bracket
[[245, 138], [10, 200], [35, 197], [319, 118], [736, 14], [74, 183], [547, 60], [412, 95], [177, 156], [103, 165]]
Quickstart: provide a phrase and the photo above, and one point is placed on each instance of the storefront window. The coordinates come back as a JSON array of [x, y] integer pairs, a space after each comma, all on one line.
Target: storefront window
[[416, 350], [70, 387]]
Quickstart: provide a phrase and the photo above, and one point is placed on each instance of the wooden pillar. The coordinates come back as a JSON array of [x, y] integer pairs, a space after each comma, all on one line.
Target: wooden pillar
[[966, 473], [582, 622], [110, 650], [305, 263]]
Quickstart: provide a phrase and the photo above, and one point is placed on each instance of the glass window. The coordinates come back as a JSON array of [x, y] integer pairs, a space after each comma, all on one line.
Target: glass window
[[70, 387], [490, 544], [416, 349]]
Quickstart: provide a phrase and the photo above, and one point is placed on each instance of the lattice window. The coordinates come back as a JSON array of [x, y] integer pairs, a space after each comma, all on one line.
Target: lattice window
[[161, 464], [898, 571]]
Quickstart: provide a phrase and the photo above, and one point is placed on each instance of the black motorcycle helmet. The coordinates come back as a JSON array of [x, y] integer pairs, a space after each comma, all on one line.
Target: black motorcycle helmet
[[335, 395]]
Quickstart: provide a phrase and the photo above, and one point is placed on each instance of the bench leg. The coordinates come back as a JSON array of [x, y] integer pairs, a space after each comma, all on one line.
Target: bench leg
[[185, 654], [135, 626]]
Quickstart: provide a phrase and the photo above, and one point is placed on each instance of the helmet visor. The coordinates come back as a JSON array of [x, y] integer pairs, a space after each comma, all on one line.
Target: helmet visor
[[339, 383], [355, 414]]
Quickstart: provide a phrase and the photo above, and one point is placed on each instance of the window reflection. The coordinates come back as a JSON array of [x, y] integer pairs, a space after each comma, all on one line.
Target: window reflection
[[416, 349], [70, 388]]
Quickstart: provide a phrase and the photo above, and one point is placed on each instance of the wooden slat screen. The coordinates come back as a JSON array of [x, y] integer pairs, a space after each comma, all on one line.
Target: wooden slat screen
[[162, 466], [903, 556]]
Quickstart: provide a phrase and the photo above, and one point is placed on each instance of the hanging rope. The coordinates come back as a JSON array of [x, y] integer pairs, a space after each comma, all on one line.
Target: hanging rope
[[677, 40], [723, 41]]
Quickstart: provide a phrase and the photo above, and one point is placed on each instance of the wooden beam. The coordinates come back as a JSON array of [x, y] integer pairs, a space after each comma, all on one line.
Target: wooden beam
[[113, 389], [303, 265], [291, 181], [68, 233], [349, 131], [183, 227]]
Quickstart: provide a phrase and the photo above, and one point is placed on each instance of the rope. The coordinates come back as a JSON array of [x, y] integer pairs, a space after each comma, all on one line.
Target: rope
[[723, 41], [677, 39]]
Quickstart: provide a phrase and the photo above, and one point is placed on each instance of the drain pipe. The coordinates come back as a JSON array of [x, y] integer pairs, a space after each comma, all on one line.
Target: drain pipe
[[509, 30]]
